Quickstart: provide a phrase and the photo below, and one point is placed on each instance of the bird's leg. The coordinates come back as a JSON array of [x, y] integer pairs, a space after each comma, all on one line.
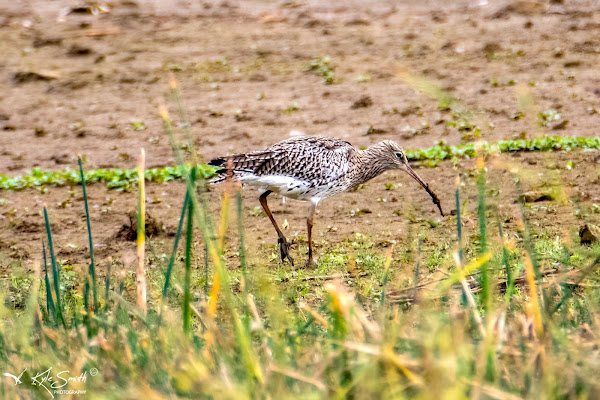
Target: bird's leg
[[284, 245], [309, 225]]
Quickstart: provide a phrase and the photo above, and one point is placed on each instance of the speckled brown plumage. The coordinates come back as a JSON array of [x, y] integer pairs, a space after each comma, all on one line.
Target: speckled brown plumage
[[308, 158], [312, 168]]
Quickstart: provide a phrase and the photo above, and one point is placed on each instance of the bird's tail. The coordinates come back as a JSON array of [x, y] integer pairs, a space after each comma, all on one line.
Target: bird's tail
[[237, 165], [221, 172]]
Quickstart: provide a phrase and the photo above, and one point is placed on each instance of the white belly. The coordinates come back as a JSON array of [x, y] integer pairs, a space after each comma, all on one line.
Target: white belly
[[285, 186]]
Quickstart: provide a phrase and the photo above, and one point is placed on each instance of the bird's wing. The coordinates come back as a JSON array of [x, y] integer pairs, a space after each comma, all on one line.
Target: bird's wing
[[309, 158]]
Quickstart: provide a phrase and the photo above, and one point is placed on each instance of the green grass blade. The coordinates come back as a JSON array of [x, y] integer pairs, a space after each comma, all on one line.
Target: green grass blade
[[509, 278], [176, 95], [417, 267], [570, 290], [486, 295], [187, 297], [50, 309], [86, 305], [458, 221], [169, 271], [241, 245], [55, 270], [107, 286], [528, 242], [92, 268]]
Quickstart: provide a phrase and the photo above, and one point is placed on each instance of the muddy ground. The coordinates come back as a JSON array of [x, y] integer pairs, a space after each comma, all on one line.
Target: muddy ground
[[79, 83]]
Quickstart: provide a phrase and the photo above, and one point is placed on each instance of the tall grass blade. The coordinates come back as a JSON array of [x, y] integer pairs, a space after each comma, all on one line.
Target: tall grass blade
[[486, 295], [107, 286], [86, 305], [510, 284], [240, 220], [570, 290], [225, 208], [186, 202], [50, 309], [27, 335], [386, 273], [92, 268], [202, 214], [458, 220], [55, 270], [428, 87], [206, 260], [417, 271], [187, 297], [141, 237], [529, 246], [533, 296], [176, 95]]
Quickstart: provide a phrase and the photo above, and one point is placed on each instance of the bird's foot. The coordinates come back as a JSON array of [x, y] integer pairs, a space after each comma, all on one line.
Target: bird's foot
[[284, 250], [310, 263]]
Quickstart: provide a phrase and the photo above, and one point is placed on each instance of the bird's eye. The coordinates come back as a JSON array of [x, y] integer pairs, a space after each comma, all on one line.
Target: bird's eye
[[400, 156]]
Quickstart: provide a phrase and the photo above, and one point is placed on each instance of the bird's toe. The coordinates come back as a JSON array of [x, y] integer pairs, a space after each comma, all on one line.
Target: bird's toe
[[284, 250]]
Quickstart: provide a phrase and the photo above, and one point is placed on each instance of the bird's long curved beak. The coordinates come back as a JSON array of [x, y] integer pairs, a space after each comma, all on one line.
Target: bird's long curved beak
[[417, 178]]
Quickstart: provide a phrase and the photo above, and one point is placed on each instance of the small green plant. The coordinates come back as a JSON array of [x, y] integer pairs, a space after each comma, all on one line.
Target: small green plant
[[362, 78], [546, 118], [138, 125], [291, 108], [76, 125], [321, 66]]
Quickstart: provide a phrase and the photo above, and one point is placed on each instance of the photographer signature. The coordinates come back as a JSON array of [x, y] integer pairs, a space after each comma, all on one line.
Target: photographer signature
[[52, 383]]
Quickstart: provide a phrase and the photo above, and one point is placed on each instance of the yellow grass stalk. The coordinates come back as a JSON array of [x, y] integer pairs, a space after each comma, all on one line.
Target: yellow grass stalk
[[339, 300], [244, 342], [427, 86], [256, 323], [172, 81], [141, 236], [225, 207], [318, 317], [196, 312], [299, 377], [533, 302], [387, 354], [467, 289], [462, 273], [216, 255], [214, 293]]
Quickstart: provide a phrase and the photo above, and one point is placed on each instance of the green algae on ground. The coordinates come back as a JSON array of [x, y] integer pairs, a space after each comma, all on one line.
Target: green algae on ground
[[114, 178], [124, 178], [442, 151]]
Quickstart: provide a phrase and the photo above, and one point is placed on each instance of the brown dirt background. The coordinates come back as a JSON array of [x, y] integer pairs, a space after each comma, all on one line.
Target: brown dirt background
[[239, 64]]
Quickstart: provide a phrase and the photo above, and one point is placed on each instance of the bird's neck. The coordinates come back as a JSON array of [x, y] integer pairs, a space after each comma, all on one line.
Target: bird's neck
[[370, 165]]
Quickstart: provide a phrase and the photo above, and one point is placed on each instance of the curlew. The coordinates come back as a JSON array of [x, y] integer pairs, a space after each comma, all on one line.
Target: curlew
[[311, 169]]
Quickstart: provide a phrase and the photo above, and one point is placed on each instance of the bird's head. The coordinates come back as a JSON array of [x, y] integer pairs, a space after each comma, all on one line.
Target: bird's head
[[394, 157]]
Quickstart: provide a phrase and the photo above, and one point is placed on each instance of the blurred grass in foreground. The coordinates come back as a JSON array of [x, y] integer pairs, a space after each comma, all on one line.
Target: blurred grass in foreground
[[504, 324]]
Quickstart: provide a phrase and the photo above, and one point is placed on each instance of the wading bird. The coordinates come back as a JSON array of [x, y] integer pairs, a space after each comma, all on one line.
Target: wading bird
[[311, 168]]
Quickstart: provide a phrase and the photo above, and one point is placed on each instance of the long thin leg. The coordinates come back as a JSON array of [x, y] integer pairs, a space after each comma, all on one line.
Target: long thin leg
[[309, 225], [284, 245]]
